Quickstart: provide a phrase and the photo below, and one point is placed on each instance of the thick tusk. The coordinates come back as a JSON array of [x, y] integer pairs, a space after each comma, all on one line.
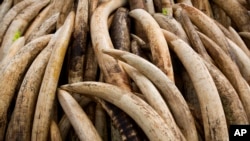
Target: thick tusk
[[151, 123], [120, 29], [192, 34], [78, 50]]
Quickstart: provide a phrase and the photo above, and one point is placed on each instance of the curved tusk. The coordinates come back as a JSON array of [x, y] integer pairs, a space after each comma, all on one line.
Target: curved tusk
[[151, 123], [169, 91], [153, 97], [238, 40], [77, 117], [157, 43], [101, 40], [214, 120]]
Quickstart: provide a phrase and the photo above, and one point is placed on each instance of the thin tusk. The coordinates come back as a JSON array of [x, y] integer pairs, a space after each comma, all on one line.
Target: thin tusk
[[77, 117]]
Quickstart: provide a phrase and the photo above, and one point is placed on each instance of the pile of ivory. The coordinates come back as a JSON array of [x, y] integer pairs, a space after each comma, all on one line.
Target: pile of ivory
[[123, 69]]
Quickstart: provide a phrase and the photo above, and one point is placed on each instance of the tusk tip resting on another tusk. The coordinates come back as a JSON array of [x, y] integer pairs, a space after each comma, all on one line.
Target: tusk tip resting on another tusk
[[114, 53]]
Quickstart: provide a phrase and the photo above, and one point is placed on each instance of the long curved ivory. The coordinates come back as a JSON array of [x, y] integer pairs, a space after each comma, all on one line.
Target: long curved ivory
[[214, 120], [150, 122], [153, 97], [170, 92], [157, 43], [101, 40]]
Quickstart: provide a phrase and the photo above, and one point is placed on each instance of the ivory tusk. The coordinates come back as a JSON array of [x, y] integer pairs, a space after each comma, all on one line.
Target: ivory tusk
[[214, 120], [157, 43], [77, 117], [48, 87], [151, 123], [207, 26], [154, 98], [169, 91], [230, 70]]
